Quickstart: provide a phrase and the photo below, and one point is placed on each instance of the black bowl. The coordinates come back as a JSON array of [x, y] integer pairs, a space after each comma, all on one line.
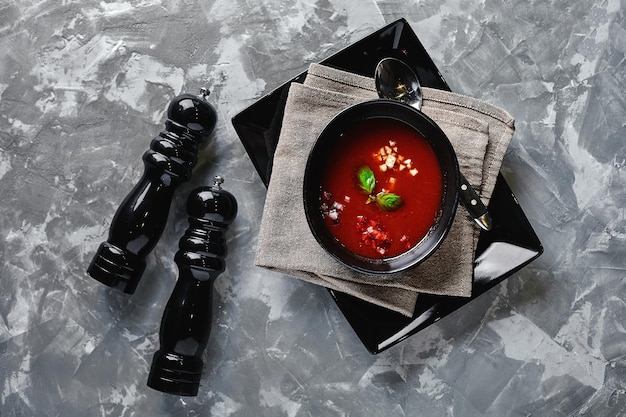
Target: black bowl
[[317, 162]]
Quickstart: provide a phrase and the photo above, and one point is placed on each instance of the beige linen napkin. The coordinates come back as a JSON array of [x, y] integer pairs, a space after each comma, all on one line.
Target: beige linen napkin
[[285, 241]]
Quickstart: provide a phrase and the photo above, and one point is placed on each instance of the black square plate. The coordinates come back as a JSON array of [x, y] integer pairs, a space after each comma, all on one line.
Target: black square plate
[[509, 246]]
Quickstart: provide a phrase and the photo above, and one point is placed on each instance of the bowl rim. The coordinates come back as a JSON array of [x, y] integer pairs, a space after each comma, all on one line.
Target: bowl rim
[[419, 121]]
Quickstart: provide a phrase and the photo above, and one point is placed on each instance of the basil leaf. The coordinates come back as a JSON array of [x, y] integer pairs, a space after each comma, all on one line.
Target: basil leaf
[[388, 201], [365, 179]]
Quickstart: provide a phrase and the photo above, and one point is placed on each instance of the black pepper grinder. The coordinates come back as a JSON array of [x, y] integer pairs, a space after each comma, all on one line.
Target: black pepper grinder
[[186, 323], [141, 218]]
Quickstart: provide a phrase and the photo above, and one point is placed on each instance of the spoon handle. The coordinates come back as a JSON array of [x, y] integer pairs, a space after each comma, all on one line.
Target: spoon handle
[[475, 207]]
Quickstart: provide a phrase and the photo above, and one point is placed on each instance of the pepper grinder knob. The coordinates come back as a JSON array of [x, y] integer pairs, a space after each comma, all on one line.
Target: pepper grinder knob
[[141, 217], [186, 322]]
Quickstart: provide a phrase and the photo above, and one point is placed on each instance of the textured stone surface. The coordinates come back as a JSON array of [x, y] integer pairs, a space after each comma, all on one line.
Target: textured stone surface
[[84, 87]]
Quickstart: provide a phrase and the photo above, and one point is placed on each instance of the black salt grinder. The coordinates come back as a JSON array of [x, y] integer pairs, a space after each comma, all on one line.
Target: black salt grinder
[[186, 322], [141, 218]]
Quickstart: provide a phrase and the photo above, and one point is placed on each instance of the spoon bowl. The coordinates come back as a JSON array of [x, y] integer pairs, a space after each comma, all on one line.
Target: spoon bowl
[[395, 80]]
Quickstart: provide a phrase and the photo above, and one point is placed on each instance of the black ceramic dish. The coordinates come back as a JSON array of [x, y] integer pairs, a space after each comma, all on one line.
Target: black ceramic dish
[[330, 139], [510, 245]]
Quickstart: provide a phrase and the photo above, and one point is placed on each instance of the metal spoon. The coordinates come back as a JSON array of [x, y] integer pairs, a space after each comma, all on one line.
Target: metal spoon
[[397, 81]]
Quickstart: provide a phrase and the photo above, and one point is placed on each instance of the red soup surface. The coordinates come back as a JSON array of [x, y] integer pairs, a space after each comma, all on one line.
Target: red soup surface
[[382, 189]]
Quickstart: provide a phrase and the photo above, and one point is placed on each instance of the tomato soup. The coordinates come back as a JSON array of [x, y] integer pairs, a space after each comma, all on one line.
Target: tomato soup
[[382, 188]]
